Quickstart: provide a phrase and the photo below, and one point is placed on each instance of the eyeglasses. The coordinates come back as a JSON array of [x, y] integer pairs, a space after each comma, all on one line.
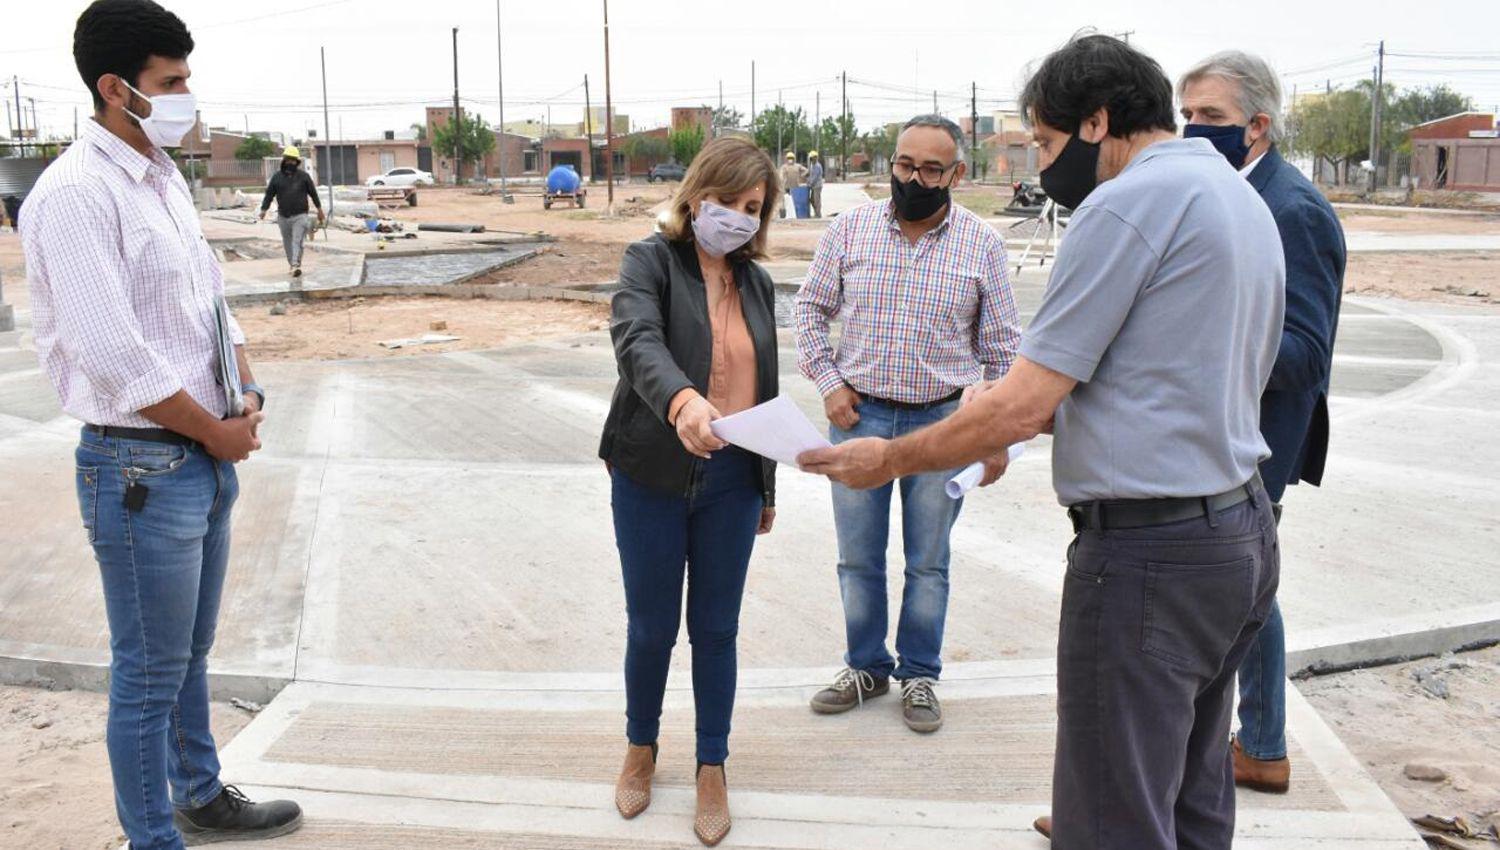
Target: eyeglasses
[[929, 174]]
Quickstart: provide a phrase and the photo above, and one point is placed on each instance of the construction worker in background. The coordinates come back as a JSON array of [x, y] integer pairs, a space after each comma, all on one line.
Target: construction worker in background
[[815, 183], [292, 187], [792, 175]]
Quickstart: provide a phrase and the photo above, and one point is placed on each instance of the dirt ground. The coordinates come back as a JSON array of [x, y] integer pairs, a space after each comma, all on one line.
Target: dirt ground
[[1441, 713], [1456, 278], [55, 789], [353, 328], [568, 262]]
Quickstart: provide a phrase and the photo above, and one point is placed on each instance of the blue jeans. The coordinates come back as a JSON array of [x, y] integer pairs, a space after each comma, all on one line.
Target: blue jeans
[[707, 534], [1263, 692], [163, 572], [863, 521]]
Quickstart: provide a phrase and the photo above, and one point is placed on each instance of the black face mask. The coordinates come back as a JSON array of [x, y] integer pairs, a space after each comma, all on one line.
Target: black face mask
[[1074, 174], [289, 167], [915, 202]]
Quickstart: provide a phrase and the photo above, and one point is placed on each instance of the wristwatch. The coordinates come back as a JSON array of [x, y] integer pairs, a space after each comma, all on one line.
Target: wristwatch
[[255, 388]]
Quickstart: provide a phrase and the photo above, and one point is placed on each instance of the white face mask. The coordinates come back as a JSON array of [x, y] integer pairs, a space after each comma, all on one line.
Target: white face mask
[[719, 230], [172, 116]]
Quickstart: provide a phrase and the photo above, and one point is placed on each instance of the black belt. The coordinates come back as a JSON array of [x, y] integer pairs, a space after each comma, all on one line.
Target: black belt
[[150, 435], [912, 405], [1105, 514]]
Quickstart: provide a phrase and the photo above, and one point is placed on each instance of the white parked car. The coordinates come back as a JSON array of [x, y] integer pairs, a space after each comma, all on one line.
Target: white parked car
[[402, 177]]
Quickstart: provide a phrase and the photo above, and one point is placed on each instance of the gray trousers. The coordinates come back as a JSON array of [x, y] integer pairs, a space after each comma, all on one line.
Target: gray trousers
[[1155, 622], [293, 232], [815, 200]]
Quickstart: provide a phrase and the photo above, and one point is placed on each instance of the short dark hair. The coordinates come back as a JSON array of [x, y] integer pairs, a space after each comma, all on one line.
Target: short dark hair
[[1093, 71], [121, 36]]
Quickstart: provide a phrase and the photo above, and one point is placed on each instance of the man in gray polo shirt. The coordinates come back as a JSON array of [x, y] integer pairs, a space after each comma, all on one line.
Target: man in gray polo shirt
[[1146, 359]]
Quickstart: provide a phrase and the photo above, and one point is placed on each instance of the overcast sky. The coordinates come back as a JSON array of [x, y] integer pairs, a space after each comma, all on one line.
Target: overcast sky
[[258, 63]]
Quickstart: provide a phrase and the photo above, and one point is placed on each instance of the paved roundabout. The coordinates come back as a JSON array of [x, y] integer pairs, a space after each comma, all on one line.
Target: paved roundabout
[[425, 590]]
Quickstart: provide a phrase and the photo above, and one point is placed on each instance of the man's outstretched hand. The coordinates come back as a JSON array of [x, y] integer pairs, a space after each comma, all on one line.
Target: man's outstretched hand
[[862, 463]]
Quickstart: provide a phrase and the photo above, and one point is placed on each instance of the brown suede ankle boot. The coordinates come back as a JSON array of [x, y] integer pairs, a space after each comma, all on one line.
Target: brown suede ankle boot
[[633, 790], [712, 821]]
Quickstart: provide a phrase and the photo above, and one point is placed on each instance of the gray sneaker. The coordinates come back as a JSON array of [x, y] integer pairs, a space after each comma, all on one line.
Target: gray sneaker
[[919, 706], [849, 689]]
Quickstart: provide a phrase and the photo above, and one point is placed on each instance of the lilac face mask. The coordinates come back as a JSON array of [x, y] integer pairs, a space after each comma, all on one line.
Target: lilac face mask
[[720, 230]]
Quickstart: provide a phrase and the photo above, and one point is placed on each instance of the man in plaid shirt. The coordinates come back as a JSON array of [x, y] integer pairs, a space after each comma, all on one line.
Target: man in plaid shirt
[[927, 313]]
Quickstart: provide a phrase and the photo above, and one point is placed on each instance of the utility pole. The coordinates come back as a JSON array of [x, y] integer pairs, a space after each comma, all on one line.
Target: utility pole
[[1375, 109], [934, 102], [844, 126], [752, 97], [36, 126], [500, 81], [20, 116], [817, 120], [974, 126], [75, 123], [609, 120], [780, 123], [720, 115], [458, 125], [327, 138], [588, 125]]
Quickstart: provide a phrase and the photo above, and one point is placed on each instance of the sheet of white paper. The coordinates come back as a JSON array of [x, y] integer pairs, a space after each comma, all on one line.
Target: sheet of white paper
[[972, 474], [776, 429]]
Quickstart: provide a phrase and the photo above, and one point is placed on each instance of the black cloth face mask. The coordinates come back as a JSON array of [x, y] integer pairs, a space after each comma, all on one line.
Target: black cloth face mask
[[915, 202], [1074, 174]]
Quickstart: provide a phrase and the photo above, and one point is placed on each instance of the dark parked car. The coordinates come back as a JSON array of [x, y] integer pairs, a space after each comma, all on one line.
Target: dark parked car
[[666, 171]]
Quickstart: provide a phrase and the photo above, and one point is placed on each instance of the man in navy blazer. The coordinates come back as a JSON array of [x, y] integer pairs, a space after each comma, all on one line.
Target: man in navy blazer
[[1234, 100]]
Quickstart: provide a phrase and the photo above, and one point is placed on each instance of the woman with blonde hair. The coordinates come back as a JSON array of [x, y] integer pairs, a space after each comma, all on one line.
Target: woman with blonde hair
[[694, 332]]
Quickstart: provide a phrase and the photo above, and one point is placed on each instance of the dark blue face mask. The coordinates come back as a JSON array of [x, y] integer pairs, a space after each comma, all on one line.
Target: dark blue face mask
[[1228, 139]]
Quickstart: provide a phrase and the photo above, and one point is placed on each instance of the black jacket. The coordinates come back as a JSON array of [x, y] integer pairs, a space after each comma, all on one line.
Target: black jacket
[[1294, 407], [663, 345], [291, 193]]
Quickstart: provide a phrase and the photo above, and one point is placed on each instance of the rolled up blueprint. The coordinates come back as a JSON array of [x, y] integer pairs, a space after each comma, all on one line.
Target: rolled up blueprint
[[972, 474]]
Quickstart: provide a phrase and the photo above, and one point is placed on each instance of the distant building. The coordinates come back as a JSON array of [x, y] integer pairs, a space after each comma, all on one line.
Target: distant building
[[684, 117], [986, 125], [596, 116], [1459, 152]]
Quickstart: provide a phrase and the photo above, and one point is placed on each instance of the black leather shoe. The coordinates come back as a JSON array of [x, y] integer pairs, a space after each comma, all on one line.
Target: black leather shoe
[[232, 817]]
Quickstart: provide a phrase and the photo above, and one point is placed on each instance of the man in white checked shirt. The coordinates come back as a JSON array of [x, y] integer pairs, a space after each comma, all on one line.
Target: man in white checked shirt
[[124, 295], [920, 284]]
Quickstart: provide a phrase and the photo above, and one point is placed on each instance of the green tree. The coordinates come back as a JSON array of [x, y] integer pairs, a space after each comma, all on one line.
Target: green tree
[[476, 138], [421, 131], [879, 144], [1419, 105], [1335, 127], [642, 146], [686, 143], [255, 147], [780, 129], [726, 116]]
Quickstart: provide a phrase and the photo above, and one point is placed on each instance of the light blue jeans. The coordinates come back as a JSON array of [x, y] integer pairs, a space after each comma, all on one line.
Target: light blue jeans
[[163, 570], [863, 521]]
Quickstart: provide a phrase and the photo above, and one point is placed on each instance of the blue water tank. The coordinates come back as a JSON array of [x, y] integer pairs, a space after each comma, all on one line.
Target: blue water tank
[[562, 178]]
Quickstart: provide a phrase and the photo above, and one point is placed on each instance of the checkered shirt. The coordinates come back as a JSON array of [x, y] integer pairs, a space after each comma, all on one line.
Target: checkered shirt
[[920, 321], [122, 283]]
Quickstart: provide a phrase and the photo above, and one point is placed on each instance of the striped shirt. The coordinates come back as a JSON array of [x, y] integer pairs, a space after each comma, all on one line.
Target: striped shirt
[[123, 283], [920, 321]]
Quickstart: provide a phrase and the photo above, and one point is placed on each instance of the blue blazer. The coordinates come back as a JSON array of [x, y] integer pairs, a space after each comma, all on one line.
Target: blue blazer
[[1294, 408]]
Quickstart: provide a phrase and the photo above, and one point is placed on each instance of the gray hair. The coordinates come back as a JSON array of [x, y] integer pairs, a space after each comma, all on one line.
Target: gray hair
[[1259, 87], [938, 121]]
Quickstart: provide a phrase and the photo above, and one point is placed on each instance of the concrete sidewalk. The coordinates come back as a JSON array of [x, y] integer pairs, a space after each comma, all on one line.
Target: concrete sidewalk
[[428, 539]]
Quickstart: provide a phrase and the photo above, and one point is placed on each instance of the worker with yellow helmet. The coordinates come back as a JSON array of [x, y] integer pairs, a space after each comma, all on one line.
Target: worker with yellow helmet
[[815, 183], [292, 188]]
